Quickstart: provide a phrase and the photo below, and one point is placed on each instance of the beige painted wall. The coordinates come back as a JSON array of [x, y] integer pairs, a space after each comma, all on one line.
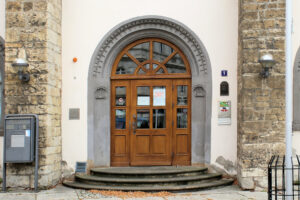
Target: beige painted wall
[[82, 32], [85, 23]]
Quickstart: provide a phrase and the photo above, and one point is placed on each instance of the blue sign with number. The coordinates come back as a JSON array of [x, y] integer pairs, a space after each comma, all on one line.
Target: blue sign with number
[[224, 73]]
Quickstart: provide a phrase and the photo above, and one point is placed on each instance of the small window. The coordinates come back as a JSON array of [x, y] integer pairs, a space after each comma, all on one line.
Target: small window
[[224, 89]]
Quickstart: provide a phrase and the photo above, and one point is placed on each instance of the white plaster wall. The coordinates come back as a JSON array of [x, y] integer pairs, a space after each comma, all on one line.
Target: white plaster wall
[[296, 46], [86, 22], [2, 34]]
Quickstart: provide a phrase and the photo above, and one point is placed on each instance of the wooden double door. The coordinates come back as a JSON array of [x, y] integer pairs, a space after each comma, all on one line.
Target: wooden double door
[[151, 122]]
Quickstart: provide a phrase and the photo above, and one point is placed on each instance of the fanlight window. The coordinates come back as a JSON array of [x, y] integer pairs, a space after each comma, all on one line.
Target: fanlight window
[[151, 57]]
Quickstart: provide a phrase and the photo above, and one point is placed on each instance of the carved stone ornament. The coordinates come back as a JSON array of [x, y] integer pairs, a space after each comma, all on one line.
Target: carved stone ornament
[[100, 93], [150, 23], [199, 91]]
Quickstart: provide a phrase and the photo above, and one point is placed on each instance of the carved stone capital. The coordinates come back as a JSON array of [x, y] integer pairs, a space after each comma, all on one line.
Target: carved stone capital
[[100, 93], [199, 91]]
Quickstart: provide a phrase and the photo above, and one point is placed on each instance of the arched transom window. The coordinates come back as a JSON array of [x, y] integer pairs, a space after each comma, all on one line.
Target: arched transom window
[[151, 57]]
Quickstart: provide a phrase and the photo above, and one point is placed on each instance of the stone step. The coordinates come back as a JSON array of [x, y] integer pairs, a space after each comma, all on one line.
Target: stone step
[[144, 181], [159, 178], [161, 171], [154, 187]]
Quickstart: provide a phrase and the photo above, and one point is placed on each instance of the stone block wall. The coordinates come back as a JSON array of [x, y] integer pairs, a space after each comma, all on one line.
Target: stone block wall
[[33, 31], [261, 102]]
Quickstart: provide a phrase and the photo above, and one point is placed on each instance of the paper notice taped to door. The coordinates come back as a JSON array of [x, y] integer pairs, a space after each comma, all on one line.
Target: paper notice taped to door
[[159, 96]]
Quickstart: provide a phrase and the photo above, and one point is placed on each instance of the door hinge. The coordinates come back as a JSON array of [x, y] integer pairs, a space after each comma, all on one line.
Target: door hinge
[[172, 105], [172, 122]]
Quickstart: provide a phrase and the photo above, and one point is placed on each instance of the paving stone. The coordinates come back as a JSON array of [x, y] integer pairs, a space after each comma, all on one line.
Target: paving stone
[[17, 196], [64, 193]]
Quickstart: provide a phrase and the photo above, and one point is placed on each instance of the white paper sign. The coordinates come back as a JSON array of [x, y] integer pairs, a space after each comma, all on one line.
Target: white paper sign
[[143, 101], [159, 96], [17, 141]]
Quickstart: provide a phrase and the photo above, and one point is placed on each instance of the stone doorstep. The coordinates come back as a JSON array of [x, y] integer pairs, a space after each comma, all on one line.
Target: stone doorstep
[[198, 186], [147, 180], [148, 170]]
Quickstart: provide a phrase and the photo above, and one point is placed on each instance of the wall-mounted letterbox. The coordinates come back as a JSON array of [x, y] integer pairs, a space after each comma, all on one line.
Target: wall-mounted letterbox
[[19, 139], [21, 142]]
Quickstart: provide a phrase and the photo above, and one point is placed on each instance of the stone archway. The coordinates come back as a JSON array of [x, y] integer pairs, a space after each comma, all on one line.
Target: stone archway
[[296, 93], [99, 83]]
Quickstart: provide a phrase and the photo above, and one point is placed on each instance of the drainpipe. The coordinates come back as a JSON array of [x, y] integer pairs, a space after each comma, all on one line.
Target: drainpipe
[[288, 98]]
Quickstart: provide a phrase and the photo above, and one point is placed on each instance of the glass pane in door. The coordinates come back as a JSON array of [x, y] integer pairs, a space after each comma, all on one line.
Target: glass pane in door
[[159, 118], [143, 96], [143, 118], [176, 65], [182, 118], [161, 51], [120, 119], [126, 66], [182, 95], [140, 51], [121, 96], [159, 96]]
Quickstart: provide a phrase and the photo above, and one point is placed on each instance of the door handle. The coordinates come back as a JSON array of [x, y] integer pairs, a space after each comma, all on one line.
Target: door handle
[[134, 124], [129, 126]]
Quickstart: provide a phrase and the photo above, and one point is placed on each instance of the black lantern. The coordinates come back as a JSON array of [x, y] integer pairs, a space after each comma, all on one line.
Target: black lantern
[[267, 63], [21, 65]]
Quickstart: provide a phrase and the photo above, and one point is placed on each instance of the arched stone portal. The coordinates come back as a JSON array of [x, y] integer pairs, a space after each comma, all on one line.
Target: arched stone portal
[[296, 93], [99, 83]]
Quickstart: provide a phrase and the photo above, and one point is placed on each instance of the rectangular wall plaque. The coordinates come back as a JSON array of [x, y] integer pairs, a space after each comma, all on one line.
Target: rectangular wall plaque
[[224, 115], [74, 114]]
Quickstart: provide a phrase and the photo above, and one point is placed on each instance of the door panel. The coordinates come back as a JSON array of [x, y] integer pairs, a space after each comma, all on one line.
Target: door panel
[[120, 137], [151, 114], [182, 122], [151, 122], [158, 144], [142, 145]]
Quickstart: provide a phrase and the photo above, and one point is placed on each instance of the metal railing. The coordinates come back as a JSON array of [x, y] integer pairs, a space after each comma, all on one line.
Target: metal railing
[[276, 178]]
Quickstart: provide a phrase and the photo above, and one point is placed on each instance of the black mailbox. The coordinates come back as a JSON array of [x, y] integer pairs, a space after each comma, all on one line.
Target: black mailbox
[[19, 139]]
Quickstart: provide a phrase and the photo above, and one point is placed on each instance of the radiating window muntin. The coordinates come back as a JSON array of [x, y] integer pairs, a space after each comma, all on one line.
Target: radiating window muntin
[[151, 57]]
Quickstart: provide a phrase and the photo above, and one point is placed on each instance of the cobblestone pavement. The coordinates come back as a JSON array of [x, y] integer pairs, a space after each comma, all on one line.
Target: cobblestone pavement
[[63, 193]]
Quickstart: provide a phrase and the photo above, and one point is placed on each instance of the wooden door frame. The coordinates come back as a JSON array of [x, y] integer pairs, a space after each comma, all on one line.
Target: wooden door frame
[[150, 73], [177, 158]]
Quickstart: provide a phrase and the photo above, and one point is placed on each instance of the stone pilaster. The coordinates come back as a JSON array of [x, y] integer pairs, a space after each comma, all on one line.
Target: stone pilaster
[[261, 102], [33, 30]]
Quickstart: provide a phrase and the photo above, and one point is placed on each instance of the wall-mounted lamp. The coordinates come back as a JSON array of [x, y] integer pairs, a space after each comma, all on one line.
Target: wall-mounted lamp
[[267, 63], [21, 65]]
